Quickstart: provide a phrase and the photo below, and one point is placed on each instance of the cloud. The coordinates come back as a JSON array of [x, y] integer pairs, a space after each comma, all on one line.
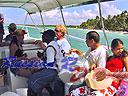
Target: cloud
[[52, 13], [108, 9], [87, 14], [75, 16]]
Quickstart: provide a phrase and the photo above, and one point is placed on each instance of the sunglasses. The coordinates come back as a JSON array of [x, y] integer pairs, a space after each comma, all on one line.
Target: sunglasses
[[57, 30]]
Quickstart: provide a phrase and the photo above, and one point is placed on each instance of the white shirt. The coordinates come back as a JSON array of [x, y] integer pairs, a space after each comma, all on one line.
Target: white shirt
[[51, 53], [97, 56], [64, 45]]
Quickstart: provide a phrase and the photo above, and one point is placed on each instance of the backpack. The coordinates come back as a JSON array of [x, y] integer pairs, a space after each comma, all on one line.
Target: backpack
[[43, 55]]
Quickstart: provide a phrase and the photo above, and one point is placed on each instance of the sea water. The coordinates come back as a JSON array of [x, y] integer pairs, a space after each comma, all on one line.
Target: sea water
[[76, 36]]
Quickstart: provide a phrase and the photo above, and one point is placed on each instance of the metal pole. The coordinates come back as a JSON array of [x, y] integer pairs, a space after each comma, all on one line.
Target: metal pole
[[33, 22], [102, 22], [62, 16], [61, 13], [42, 20], [26, 18]]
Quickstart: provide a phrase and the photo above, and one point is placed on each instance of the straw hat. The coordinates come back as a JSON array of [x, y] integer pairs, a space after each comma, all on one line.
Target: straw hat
[[98, 85]]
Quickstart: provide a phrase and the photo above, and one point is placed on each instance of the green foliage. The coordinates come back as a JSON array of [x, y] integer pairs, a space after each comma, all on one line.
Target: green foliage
[[116, 22]]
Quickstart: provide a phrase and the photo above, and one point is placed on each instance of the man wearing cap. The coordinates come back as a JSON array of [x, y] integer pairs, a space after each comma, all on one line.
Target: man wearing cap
[[1, 28], [11, 28]]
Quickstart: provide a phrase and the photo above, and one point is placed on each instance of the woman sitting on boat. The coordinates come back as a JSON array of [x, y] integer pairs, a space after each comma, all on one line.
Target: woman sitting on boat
[[117, 63], [17, 41], [119, 60]]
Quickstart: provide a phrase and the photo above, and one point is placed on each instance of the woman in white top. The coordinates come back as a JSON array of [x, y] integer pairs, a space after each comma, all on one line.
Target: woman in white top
[[60, 31]]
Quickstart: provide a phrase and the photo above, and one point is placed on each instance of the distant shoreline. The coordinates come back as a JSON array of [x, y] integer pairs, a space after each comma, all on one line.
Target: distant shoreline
[[117, 31]]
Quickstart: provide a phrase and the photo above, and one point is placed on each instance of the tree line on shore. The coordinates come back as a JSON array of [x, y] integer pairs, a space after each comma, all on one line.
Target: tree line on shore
[[117, 22]]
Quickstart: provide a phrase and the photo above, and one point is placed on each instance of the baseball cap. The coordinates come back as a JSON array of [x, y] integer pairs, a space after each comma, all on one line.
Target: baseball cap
[[12, 26]]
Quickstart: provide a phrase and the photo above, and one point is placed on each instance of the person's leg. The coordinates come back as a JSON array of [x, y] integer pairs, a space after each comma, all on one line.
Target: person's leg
[[59, 87], [1, 38], [41, 79], [30, 92], [50, 90]]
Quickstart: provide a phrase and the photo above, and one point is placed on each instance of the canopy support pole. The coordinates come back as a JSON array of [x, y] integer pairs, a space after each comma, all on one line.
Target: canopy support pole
[[102, 22], [25, 18], [62, 15], [40, 15], [33, 22], [42, 20]]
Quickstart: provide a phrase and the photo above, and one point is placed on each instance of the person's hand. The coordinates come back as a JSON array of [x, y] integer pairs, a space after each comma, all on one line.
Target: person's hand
[[40, 43], [99, 74], [39, 54], [76, 51], [22, 58], [93, 66], [35, 58], [37, 42]]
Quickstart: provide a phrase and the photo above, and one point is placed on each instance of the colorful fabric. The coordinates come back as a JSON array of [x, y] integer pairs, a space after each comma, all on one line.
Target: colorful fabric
[[81, 91], [85, 91], [115, 64], [123, 89]]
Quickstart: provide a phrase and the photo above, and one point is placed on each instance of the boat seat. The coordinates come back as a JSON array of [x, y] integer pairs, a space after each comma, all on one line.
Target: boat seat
[[16, 82]]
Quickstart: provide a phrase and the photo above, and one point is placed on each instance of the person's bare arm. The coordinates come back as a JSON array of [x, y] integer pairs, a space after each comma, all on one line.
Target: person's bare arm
[[13, 49], [125, 61], [40, 43]]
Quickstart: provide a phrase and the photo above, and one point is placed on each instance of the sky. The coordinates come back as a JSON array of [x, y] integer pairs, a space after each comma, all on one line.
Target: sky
[[73, 16]]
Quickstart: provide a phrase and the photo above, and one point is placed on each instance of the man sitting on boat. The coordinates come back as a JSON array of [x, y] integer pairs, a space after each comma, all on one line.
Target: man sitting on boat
[[64, 47], [11, 29], [103, 80], [48, 74], [96, 54], [47, 70]]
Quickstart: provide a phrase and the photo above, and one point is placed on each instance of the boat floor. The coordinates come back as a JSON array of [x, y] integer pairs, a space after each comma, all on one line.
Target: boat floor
[[6, 88]]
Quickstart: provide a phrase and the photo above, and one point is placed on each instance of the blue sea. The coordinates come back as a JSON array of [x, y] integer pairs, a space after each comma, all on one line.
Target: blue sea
[[76, 36]]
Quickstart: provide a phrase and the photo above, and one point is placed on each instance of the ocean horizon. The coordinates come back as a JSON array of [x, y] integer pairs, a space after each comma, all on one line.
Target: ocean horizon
[[76, 36]]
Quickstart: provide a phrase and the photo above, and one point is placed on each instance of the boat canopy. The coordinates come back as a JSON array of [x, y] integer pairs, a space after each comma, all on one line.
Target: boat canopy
[[33, 6]]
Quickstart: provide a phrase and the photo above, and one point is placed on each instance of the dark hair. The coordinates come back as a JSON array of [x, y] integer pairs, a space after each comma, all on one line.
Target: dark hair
[[48, 36], [93, 35], [115, 43]]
